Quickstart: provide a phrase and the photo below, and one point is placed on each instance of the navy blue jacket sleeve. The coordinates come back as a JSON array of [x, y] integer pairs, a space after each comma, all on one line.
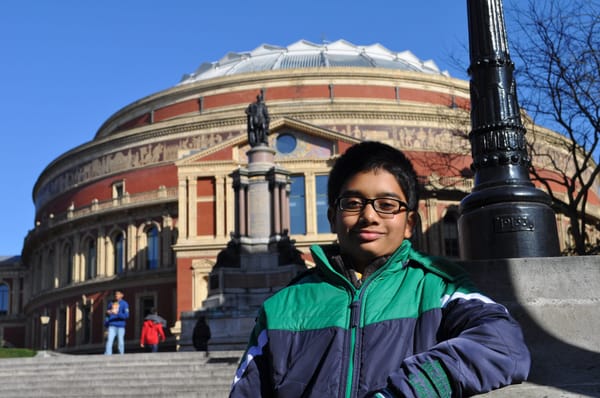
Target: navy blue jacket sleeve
[[481, 348]]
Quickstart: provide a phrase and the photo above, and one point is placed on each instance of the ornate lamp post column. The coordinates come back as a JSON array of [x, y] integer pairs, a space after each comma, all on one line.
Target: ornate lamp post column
[[505, 215]]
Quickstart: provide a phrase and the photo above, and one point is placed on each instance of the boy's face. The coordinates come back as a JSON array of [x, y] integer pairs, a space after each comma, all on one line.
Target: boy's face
[[366, 235]]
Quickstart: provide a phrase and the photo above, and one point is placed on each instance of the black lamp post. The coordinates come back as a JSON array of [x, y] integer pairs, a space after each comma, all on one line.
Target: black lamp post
[[505, 215]]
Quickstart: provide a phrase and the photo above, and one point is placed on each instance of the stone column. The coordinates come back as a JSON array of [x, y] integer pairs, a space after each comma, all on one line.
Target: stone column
[[285, 211], [276, 198], [183, 216], [220, 205], [192, 214], [260, 162]]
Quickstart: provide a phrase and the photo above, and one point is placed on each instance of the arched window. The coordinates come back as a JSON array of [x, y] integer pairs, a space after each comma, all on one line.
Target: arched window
[[90, 260], [152, 248], [68, 258], [450, 227], [37, 270], [119, 254], [51, 264], [4, 301]]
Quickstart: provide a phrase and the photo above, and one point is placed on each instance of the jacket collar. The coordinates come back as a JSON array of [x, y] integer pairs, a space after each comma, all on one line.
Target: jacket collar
[[330, 261]]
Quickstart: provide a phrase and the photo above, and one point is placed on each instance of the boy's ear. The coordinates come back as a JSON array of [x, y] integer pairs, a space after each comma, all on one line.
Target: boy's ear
[[411, 222], [331, 218]]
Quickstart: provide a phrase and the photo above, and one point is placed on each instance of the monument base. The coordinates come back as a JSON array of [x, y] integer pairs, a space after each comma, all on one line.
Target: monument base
[[230, 329], [235, 297]]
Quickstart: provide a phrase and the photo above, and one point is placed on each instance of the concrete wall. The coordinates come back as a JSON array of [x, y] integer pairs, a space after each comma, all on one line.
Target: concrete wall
[[556, 300]]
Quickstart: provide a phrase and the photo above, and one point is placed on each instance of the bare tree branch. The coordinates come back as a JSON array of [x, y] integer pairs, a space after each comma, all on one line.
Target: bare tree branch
[[558, 70]]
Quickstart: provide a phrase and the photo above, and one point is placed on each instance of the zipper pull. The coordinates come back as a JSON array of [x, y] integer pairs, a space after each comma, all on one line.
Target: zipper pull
[[354, 314]]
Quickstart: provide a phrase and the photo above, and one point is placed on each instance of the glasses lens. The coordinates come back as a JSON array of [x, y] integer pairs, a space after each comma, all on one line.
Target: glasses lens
[[351, 204], [387, 206]]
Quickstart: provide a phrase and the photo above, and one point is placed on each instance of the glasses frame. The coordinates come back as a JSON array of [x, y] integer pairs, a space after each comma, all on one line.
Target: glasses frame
[[371, 201]]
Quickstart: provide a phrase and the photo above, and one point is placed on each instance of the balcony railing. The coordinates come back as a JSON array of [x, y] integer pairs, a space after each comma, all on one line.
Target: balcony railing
[[161, 195]]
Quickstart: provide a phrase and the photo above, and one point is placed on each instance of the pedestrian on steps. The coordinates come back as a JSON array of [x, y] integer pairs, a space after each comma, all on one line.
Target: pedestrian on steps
[[152, 332], [117, 314]]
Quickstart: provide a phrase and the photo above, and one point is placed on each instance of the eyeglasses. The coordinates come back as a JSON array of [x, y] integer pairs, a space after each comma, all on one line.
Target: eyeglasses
[[383, 206]]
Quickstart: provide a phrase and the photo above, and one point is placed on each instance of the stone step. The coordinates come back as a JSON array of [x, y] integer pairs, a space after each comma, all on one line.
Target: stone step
[[120, 391], [131, 377], [160, 357], [207, 369], [176, 374]]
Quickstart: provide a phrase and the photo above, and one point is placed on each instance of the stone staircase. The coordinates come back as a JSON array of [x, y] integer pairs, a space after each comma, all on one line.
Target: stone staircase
[[168, 374], [192, 375]]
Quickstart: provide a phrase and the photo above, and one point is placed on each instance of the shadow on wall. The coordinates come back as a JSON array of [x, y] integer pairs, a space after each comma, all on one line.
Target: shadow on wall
[[556, 302]]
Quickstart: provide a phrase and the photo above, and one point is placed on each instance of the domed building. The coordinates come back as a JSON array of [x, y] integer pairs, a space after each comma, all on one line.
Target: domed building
[[148, 204]]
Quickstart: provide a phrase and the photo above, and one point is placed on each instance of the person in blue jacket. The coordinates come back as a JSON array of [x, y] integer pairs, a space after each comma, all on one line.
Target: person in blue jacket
[[374, 317], [117, 314]]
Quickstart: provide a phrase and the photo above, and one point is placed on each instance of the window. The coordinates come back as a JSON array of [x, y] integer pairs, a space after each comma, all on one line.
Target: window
[[118, 189], [86, 324], [152, 248], [90, 260], [146, 305], [321, 199], [286, 143], [119, 254], [49, 264], [68, 258], [38, 268], [4, 302], [450, 230], [297, 206], [63, 327]]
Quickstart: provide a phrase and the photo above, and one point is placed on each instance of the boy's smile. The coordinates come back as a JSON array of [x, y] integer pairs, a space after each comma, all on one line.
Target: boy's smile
[[365, 235]]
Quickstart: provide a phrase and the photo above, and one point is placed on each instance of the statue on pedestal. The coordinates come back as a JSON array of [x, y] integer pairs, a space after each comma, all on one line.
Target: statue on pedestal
[[258, 122]]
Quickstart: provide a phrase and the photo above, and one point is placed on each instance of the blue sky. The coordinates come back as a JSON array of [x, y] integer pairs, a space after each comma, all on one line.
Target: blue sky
[[68, 65]]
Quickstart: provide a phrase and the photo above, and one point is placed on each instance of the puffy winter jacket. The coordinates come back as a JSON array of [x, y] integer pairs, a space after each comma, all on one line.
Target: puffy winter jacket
[[415, 327], [152, 333]]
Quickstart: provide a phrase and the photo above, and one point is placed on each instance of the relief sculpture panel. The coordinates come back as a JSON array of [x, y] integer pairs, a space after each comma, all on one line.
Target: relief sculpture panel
[[120, 161]]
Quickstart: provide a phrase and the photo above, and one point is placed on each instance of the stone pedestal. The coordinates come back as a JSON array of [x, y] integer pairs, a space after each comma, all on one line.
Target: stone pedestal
[[259, 260]]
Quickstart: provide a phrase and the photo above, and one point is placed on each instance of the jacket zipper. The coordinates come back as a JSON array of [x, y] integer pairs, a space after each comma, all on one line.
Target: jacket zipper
[[355, 337], [354, 350]]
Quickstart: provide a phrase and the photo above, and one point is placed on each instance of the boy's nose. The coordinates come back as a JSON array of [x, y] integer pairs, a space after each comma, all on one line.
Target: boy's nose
[[368, 212]]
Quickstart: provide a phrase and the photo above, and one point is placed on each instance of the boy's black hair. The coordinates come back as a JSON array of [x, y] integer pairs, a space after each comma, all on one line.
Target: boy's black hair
[[367, 156]]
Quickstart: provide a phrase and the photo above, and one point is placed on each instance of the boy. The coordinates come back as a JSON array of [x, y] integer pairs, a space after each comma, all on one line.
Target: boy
[[375, 318], [117, 314]]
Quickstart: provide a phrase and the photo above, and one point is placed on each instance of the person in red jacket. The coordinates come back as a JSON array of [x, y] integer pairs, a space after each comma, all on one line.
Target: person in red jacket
[[152, 334]]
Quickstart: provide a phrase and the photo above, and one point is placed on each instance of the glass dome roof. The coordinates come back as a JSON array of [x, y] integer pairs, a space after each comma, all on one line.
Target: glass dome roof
[[304, 54]]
